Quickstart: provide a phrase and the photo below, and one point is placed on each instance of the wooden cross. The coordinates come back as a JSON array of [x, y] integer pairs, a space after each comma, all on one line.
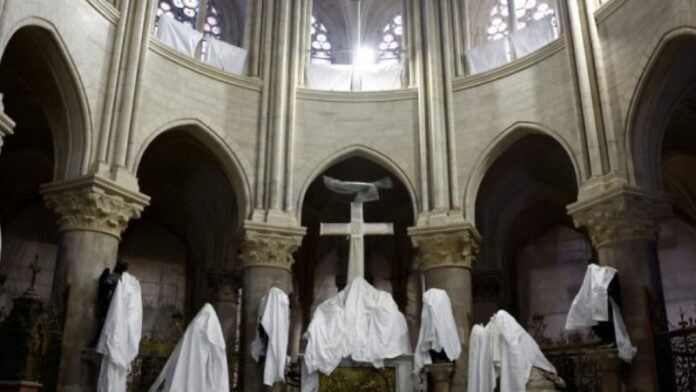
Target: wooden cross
[[357, 229]]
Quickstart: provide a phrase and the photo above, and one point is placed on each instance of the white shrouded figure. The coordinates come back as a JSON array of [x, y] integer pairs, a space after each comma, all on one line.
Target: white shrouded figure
[[274, 318], [591, 306], [199, 361], [120, 337], [357, 229], [503, 349], [361, 323], [438, 329]]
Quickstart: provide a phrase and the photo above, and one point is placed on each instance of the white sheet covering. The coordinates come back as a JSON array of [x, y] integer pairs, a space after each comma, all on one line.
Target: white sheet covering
[[503, 349], [226, 56], [178, 36], [120, 337], [591, 305], [329, 77], [490, 55], [275, 321], [536, 35], [438, 329], [199, 362], [362, 323], [381, 77]]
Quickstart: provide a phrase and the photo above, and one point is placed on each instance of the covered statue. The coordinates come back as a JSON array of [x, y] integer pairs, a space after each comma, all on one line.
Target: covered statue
[[271, 343], [438, 330]]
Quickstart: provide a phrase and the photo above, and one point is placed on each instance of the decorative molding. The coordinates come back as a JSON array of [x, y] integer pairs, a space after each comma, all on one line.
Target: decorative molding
[[93, 203], [204, 69], [603, 12], [6, 124], [265, 245], [106, 9], [620, 215], [357, 96], [470, 81], [446, 246]]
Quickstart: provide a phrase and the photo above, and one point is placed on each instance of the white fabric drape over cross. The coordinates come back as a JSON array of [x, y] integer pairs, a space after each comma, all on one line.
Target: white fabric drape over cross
[[120, 337]]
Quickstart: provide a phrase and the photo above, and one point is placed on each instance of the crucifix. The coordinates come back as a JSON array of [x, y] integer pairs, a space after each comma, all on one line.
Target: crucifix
[[357, 229]]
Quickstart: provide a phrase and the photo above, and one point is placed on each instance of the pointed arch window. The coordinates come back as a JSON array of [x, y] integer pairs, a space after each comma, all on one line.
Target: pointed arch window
[[391, 49], [523, 12], [320, 48]]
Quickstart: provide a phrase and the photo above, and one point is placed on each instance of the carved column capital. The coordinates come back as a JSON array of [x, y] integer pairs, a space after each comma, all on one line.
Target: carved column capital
[[93, 203], [621, 214], [265, 245], [446, 246], [6, 124]]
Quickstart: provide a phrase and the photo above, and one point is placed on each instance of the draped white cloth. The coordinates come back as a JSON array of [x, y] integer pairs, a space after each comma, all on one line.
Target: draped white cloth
[[591, 305], [275, 321], [226, 56], [380, 77], [329, 77], [438, 329], [364, 191], [199, 362], [178, 36], [362, 323], [120, 337], [490, 55], [503, 349], [534, 36]]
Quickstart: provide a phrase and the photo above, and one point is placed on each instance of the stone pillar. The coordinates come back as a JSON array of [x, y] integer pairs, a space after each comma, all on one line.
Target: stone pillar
[[266, 256], [447, 254], [92, 213], [623, 226], [6, 124], [440, 375], [222, 294]]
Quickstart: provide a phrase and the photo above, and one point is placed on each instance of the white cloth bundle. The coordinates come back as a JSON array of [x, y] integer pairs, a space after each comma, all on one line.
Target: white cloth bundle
[[381, 77], [179, 36], [591, 305], [199, 362], [226, 56], [490, 55], [275, 321], [120, 337], [537, 34], [329, 77], [438, 329], [503, 349], [362, 323]]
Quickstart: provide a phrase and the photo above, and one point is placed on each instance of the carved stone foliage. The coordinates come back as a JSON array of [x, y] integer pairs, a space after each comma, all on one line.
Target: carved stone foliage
[[93, 203], [269, 248], [620, 215], [447, 247]]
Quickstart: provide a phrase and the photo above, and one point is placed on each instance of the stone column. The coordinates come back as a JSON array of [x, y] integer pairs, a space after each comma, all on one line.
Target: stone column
[[6, 124], [266, 256], [447, 254], [623, 226], [92, 212], [440, 375], [222, 294]]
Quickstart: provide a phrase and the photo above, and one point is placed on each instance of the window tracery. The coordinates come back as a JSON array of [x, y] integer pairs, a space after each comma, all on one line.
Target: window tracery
[[320, 48], [524, 12], [186, 11], [391, 49]]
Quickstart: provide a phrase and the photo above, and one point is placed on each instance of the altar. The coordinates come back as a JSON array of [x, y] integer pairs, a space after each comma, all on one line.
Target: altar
[[351, 376]]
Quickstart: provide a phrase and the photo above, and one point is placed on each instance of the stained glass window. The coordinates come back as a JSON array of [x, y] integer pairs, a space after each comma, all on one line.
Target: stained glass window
[[321, 44], [525, 11], [184, 11], [213, 25], [390, 49]]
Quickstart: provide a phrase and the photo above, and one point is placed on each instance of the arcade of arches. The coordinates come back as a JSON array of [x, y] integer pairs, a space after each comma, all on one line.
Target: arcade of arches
[[507, 183]]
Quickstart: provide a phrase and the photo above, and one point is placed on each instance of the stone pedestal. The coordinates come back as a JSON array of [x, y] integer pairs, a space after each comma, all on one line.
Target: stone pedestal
[[6, 124], [447, 254], [266, 255], [622, 224], [440, 375], [92, 212]]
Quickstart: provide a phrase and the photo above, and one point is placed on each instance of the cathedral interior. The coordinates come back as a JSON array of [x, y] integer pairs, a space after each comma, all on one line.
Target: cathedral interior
[[525, 139]]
